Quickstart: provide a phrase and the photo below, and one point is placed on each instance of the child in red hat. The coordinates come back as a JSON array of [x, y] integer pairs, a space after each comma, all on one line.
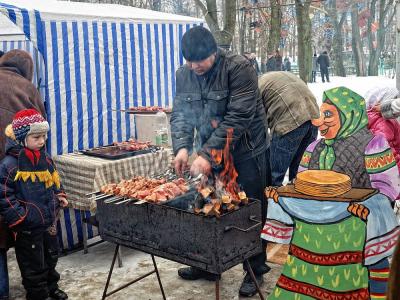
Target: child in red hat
[[30, 199]]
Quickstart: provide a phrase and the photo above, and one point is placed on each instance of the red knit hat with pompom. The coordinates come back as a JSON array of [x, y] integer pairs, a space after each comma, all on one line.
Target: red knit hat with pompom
[[28, 121]]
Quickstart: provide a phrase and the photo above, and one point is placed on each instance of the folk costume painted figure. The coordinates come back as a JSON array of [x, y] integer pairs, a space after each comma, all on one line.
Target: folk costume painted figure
[[349, 147], [339, 247], [30, 198]]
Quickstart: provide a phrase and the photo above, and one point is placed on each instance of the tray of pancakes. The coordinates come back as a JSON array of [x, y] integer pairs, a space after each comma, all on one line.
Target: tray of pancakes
[[322, 183]]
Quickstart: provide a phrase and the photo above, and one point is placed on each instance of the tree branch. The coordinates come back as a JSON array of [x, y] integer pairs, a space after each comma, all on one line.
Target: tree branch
[[210, 13], [202, 7], [390, 19], [342, 19]]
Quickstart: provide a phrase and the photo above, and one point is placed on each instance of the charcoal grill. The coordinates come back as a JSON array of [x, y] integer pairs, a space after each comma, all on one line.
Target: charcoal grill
[[172, 231]]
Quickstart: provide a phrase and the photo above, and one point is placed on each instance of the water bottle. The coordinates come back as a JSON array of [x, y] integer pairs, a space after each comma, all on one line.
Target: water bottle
[[161, 131]]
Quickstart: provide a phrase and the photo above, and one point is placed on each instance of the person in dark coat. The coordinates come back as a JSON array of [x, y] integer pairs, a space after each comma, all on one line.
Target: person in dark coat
[[287, 66], [30, 199], [16, 89], [217, 93], [271, 63], [16, 92], [323, 61], [314, 68], [278, 61]]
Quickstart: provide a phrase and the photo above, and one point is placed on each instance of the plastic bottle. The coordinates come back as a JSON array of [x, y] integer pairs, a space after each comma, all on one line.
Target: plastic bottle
[[161, 131]]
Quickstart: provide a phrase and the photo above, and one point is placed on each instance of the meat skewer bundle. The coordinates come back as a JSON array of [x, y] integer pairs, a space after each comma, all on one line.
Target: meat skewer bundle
[[148, 189], [132, 145], [149, 109]]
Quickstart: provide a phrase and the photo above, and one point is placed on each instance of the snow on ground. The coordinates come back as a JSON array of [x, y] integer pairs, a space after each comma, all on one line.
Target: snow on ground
[[358, 84], [83, 277]]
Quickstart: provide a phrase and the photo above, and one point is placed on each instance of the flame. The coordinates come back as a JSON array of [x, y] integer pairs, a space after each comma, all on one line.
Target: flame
[[227, 178]]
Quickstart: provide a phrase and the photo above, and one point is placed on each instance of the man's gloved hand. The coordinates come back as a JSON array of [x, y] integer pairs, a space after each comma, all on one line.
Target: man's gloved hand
[[181, 161], [272, 193], [200, 166]]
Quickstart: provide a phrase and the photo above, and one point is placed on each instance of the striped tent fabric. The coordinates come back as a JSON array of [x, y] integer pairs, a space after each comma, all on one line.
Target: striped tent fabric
[[70, 229], [95, 68], [92, 67]]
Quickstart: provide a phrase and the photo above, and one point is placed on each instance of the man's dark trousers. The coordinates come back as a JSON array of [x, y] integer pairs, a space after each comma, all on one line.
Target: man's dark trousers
[[287, 150], [253, 179]]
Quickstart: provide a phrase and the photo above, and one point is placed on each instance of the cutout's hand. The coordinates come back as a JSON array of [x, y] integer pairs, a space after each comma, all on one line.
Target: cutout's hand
[[358, 210], [272, 193]]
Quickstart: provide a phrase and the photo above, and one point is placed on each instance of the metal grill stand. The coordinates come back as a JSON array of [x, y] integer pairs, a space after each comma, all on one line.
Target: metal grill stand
[[172, 231], [105, 294]]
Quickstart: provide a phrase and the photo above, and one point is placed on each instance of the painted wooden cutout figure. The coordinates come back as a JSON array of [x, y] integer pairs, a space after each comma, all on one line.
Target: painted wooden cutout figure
[[339, 246]]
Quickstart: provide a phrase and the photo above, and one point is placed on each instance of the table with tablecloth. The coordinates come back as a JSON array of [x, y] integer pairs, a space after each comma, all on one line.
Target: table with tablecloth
[[81, 175]]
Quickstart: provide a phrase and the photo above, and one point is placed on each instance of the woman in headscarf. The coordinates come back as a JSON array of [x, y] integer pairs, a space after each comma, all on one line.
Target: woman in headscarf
[[348, 146]]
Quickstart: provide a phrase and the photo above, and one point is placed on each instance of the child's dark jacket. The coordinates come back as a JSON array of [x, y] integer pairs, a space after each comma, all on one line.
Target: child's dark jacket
[[28, 194]]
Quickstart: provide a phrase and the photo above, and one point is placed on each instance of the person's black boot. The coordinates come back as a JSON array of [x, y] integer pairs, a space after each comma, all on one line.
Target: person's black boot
[[58, 295], [191, 273], [248, 287]]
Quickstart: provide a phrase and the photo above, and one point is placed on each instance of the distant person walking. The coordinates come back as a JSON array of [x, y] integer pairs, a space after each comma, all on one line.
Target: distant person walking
[[287, 66], [323, 61], [271, 62], [314, 68], [278, 61]]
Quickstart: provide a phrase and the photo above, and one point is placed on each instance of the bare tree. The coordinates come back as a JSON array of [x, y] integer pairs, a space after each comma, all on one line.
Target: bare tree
[[224, 37], [275, 28], [376, 40], [304, 38], [337, 37], [356, 42]]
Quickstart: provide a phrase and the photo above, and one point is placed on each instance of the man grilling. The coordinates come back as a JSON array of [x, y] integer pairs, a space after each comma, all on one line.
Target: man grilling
[[216, 91]]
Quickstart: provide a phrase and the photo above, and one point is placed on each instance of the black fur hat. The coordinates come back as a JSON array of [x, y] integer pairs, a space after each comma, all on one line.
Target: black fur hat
[[198, 43]]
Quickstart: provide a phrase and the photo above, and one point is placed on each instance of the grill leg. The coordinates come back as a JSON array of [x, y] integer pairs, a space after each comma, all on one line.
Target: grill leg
[[119, 257], [250, 270], [158, 277], [84, 231], [110, 273], [217, 289]]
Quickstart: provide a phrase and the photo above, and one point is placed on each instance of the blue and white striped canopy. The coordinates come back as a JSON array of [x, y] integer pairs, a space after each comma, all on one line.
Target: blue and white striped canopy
[[94, 67]]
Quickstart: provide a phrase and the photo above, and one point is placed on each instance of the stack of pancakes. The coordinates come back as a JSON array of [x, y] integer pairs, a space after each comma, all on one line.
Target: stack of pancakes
[[322, 183]]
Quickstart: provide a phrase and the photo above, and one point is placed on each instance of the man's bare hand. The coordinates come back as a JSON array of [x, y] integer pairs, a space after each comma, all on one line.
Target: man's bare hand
[[181, 161], [200, 166], [271, 193], [63, 201]]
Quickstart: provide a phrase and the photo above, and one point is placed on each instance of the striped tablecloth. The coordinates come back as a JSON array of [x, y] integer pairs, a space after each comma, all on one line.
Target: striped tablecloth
[[81, 174]]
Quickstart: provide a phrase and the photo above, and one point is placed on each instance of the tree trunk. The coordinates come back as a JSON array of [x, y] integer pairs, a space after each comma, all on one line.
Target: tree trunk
[[275, 28], [375, 50], [241, 26], [357, 47], [304, 39], [223, 37], [337, 42]]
